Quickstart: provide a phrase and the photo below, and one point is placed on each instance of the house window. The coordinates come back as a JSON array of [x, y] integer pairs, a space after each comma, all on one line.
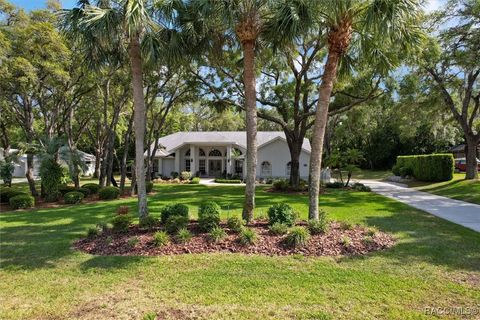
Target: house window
[[187, 165], [266, 169], [239, 167], [201, 153], [215, 153], [201, 167], [187, 154], [288, 169]]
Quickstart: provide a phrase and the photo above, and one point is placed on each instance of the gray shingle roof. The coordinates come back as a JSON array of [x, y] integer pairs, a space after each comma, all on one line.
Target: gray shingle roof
[[175, 140]]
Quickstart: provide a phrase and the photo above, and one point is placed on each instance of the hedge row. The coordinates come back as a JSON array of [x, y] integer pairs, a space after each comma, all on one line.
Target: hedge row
[[219, 180], [430, 167]]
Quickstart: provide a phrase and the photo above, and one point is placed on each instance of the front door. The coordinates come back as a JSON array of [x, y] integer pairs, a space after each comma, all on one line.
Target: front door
[[215, 168]]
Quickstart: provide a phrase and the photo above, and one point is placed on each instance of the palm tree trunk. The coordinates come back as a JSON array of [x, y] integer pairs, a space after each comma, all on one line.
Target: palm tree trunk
[[251, 115], [321, 118], [139, 122]]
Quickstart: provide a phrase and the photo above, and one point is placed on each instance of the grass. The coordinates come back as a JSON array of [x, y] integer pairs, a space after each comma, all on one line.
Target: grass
[[457, 188], [435, 264]]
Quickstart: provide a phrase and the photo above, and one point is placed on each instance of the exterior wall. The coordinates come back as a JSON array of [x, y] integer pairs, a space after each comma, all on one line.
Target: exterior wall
[[168, 165], [278, 154]]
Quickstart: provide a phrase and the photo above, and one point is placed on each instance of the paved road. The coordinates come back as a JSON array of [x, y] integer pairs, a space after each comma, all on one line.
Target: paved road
[[460, 212]]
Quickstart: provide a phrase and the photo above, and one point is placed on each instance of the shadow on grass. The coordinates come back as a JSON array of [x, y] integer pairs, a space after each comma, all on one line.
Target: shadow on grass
[[39, 238]]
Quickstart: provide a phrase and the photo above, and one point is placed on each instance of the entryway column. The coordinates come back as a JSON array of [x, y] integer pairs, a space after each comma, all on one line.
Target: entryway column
[[193, 158], [229, 159]]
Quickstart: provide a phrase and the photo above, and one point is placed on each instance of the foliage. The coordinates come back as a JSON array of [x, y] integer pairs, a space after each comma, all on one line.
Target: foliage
[[176, 209], [148, 222], [297, 237], [92, 232], [161, 238], [175, 223], [6, 172], [85, 191], [93, 187], [183, 235], [361, 187], [280, 185], [235, 224], [22, 201], [109, 193], [195, 180], [319, 226], [133, 241], [7, 193], [174, 174], [247, 236], [73, 197], [185, 175], [346, 241], [405, 171], [335, 185], [282, 213], [432, 167], [63, 189], [121, 223], [149, 186], [209, 215], [346, 225], [217, 234], [278, 229], [122, 210], [220, 180], [51, 175]]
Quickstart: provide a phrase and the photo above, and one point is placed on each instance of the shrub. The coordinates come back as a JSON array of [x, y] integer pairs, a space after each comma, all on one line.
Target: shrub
[[247, 237], [122, 210], [53, 196], [297, 237], [85, 191], [346, 225], [195, 180], [281, 185], [73, 197], [334, 185], [217, 234], [66, 189], [361, 187], [282, 213], [208, 215], [405, 171], [92, 232], [318, 226], [51, 174], [22, 201], [346, 241], [103, 226], [149, 186], [148, 222], [185, 175], [220, 180], [235, 224], [174, 174], [183, 235], [161, 238], [120, 223], [396, 170], [176, 209], [368, 240], [175, 223], [132, 242], [430, 167], [7, 193], [278, 228], [372, 231], [109, 193], [93, 187]]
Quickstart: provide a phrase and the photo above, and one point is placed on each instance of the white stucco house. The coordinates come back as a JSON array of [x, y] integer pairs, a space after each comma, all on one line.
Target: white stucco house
[[212, 154], [21, 166]]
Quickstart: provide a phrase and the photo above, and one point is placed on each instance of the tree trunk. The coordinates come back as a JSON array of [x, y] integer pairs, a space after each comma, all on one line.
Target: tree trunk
[[295, 147], [471, 158], [251, 115], [139, 123], [123, 164], [29, 175], [321, 118]]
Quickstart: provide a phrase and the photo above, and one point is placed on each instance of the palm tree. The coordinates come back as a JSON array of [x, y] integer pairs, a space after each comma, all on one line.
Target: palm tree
[[252, 23], [109, 30], [364, 28]]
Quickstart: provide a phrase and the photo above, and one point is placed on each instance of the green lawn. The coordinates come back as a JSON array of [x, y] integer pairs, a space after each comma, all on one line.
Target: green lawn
[[434, 264], [457, 188]]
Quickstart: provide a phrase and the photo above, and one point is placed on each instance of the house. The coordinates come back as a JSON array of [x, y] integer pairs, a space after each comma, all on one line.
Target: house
[[21, 166], [213, 154], [459, 151]]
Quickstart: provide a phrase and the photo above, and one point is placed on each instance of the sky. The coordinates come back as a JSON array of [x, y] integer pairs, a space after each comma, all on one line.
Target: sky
[[430, 5]]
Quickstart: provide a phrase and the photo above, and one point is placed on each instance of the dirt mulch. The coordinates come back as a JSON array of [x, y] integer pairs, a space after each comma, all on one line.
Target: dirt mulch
[[331, 243]]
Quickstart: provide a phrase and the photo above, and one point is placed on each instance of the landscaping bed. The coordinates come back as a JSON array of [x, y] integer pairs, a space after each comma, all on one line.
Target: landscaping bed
[[338, 240]]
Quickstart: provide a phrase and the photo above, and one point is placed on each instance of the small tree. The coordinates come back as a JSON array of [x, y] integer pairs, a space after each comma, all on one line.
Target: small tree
[[6, 172], [345, 161]]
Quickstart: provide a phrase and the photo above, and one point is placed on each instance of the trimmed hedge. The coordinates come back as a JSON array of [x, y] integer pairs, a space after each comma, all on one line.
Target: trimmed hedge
[[430, 167], [281, 213], [86, 192], [7, 193], [73, 197], [109, 193], [176, 209], [93, 187], [218, 180], [66, 189], [22, 201], [209, 215], [195, 180]]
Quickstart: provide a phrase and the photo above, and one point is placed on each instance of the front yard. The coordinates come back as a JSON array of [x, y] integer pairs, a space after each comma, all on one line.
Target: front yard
[[434, 264]]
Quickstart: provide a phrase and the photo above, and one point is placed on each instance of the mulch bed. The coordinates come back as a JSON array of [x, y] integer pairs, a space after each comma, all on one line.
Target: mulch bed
[[328, 244]]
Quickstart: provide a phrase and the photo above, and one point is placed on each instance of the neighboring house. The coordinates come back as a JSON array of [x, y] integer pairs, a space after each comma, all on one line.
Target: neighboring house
[[459, 151], [213, 154], [21, 166]]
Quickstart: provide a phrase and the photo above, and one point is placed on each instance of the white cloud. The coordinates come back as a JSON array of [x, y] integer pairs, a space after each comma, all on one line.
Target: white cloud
[[432, 5]]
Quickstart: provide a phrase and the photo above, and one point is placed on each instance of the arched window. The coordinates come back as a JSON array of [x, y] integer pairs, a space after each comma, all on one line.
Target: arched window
[[187, 154], [266, 169], [201, 153], [288, 169], [215, 153]]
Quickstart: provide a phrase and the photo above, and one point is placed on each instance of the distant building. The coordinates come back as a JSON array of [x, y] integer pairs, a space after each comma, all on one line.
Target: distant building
[[459, 151]]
